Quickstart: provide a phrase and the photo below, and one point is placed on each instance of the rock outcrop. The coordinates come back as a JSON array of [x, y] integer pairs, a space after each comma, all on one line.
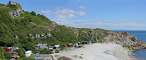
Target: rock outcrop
[[124, 39]]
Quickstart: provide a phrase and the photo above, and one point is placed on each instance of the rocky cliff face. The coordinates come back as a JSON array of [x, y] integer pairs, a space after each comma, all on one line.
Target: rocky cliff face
[[124, 39]]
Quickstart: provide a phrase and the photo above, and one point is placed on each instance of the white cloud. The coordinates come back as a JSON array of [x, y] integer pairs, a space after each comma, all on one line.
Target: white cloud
[[65, 16], [66, 13], [63, 13], [81, 13]]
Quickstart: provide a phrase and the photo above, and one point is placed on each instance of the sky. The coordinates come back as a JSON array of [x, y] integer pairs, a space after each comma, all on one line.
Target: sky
[[106, 14]]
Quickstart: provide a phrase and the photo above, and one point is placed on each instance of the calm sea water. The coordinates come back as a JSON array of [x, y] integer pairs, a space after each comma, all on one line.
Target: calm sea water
[[140, 35]]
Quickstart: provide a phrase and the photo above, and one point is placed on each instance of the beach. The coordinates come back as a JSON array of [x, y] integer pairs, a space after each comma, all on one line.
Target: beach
[[97, 51]]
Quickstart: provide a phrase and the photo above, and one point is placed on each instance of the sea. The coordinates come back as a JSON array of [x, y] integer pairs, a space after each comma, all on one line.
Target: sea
[[140, 35]]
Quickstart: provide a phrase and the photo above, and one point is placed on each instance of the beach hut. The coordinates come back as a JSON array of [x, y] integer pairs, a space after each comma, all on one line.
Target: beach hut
[[57, 46], [28, 53], [41, 46], [50, 50], [8, 49], [57, 50], [77, 45]]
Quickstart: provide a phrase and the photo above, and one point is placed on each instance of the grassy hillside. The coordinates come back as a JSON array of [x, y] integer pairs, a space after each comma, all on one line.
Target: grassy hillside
[[29, 29]]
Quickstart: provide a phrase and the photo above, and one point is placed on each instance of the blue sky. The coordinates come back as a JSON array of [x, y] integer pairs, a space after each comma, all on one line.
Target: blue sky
[[107, 14]]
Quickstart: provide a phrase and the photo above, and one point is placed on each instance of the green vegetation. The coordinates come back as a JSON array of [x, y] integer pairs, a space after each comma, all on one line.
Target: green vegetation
[[22, 31], [2, 57]]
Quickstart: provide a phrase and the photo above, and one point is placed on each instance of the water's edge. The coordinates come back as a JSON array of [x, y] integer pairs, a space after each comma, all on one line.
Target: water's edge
[[140, 35]]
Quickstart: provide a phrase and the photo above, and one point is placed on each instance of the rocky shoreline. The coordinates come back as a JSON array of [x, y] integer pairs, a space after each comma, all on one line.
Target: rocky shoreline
[[126, 40]]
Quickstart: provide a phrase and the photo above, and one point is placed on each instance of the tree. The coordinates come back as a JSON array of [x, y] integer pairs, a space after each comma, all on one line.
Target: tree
[[33, 13]]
